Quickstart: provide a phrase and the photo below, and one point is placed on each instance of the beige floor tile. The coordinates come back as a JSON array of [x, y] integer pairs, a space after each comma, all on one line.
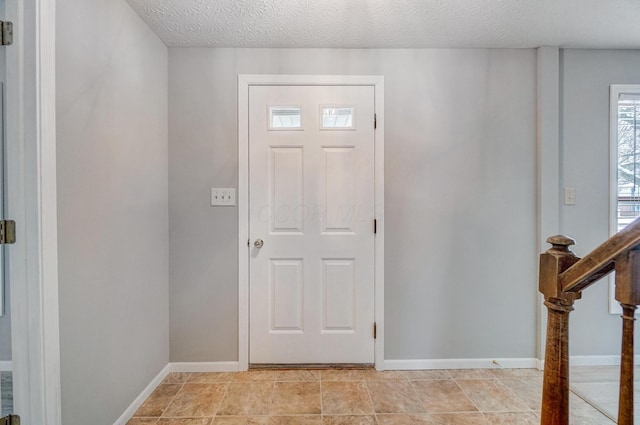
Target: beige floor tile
[[423, 375], [296, 420], [589, 417], [184, 421], [142, 421], [442, 396], [518, 373], [211, 377], [577, 403], [240, 420], [474, 373], [348, 398], [595, 374], [491, 395], [298, 375], [296, 398], [513, 418], [349, 420], [247, 398], [176, 378], [404, 419], [528, 390], [394, 397], [196, 400], [374, 375], [598, 392], [341, 375], [459, 419], [255, 375], [158, 400]]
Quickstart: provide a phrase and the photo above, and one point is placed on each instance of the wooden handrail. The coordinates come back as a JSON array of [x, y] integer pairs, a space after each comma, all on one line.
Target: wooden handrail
[[562, 278], [601, 261]]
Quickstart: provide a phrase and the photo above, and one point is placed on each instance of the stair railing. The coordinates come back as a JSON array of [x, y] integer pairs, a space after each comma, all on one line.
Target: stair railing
[[563, 277]]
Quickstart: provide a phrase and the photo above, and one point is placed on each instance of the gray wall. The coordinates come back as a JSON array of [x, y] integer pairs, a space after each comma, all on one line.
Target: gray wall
[[460, 268], [112, 207], [585, 79]]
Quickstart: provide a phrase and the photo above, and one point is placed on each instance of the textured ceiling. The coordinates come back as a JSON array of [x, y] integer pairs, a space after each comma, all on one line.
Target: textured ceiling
[[394, 23]]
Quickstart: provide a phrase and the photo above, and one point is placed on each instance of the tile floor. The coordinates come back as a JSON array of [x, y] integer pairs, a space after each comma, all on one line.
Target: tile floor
[[6, 393], [600, 386], [358, 397]]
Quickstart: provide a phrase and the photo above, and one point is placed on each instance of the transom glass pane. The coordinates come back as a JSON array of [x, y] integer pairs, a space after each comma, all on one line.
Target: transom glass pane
[[282, 117], [337, 117]]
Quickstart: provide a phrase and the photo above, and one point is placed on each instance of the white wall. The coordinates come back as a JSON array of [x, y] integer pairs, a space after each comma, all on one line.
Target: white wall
[[460, 196], [585, 79], [112, 207]]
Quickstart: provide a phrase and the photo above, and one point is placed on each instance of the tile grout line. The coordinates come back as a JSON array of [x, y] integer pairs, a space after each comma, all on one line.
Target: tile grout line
[[174, 397], [226, 391], [273, 391], [466, 395], [375, 414], [321, 397]]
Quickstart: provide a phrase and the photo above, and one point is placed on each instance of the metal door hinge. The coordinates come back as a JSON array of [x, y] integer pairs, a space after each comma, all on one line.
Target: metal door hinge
[[7, 233], [10, 420], [375, 226], [248, 242], [375, 330], [375, 121], [6, 33]]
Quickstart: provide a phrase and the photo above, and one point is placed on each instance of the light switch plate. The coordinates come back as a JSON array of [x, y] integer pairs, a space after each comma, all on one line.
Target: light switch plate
[[569, 195], [223, 197]]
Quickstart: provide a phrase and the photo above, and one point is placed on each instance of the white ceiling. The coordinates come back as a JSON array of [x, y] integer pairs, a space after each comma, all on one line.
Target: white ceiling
[[394, 23]]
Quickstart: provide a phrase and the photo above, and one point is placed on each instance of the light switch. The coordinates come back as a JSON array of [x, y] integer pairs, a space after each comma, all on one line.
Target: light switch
[[223, 197], [569, 195]]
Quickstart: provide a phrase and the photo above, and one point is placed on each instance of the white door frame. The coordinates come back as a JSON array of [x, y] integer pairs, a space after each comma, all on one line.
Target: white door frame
[[31, 202], [244, 82]]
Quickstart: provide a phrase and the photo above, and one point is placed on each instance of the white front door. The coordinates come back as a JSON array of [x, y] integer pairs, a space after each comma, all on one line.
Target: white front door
[[311, 207]]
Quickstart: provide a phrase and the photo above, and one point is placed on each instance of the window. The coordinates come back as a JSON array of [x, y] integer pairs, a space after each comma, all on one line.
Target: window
[[624, 125], [337, 118], [285, 118], [625, 128]]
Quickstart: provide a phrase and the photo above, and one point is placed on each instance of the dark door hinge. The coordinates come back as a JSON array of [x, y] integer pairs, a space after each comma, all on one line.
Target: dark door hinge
[[375, 121], [7, 233], [10, 420], [375, 226], [6, 33], [375, 330]]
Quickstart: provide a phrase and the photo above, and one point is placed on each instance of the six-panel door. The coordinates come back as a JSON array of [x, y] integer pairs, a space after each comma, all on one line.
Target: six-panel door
[[311, 173]]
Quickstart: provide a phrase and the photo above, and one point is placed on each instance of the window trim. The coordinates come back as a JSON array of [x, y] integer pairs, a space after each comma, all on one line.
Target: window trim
[[614, 95]]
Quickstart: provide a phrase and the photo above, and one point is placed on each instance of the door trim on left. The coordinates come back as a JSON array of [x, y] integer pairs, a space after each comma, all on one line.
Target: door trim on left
[[31, 171], [244, 82]]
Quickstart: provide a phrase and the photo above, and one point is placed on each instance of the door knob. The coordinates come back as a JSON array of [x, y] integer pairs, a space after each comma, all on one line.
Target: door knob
[[258, 243]]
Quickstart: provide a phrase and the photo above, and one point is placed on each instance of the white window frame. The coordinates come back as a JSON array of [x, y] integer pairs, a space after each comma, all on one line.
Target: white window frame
[[615, 91]]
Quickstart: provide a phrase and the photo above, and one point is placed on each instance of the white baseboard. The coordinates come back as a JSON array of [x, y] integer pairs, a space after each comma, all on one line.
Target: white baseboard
[[419, 364], [124, 418], [203, 367], [6, 366], [613, 360], [169, 368]]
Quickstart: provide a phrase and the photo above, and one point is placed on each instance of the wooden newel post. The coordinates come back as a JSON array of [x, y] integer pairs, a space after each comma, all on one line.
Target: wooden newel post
[[628, 294], [555, 390]]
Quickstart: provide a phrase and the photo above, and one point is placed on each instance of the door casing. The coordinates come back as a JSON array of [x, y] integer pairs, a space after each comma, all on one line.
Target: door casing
[[244, 82], [31, 198]]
